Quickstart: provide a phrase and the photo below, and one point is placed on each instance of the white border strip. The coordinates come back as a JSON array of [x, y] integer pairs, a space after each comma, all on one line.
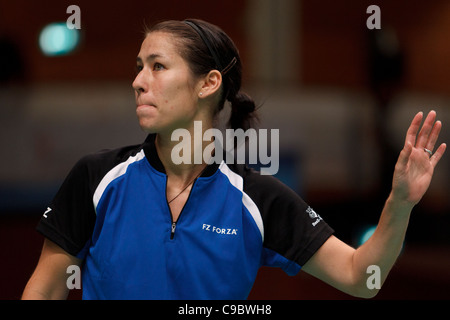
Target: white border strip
[[113, 174], [237, 181]]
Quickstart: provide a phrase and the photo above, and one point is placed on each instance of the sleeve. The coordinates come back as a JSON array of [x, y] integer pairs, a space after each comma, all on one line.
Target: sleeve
[[293, 231], [69, 219]]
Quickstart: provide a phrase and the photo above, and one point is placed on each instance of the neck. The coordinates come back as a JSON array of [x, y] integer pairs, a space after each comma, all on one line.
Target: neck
[[187, 148]]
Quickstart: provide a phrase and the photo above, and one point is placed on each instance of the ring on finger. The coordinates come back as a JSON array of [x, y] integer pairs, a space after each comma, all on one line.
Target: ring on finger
[[428, 151]]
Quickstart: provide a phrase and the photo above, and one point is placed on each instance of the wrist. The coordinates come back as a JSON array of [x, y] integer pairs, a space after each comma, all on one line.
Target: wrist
[[399, 205]]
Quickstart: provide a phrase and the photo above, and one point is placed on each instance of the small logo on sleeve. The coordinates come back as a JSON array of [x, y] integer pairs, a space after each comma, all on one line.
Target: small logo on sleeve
[[47, 211], [313, 215]]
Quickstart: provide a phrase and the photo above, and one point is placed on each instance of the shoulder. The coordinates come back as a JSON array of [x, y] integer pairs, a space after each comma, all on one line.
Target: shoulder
[[267, 191], [110, 157], [106, 159], [90, 169]]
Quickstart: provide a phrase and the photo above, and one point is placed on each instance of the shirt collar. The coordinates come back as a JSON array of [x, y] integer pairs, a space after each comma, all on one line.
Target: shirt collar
[[153, 158]]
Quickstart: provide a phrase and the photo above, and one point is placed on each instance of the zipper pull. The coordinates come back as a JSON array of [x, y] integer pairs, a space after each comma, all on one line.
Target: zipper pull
[[172, 233]]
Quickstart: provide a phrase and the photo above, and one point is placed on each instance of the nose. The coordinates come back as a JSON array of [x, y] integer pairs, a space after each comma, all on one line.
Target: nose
[[139, 83]]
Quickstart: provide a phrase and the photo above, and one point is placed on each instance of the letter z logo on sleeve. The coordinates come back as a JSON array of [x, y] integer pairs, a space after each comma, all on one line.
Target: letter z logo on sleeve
[[47, 211]]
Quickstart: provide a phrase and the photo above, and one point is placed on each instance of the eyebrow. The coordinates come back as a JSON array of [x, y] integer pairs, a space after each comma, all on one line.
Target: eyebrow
[[150, 57]]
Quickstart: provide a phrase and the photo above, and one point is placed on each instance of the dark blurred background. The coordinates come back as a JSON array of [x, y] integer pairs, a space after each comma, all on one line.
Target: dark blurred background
[[342, 96]]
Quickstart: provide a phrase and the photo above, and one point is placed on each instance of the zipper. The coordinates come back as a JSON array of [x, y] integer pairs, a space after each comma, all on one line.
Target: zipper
[[174, 223], [172, 232]]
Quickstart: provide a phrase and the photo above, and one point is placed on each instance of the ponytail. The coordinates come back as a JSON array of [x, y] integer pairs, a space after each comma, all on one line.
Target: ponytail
[[243, 112]]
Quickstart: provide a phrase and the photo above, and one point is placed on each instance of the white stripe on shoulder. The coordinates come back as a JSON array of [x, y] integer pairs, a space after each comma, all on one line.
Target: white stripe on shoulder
[[237, 181], [113, 174]]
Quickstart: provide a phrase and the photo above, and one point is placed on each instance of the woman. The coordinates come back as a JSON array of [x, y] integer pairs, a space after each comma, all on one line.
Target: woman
[[143, 227]]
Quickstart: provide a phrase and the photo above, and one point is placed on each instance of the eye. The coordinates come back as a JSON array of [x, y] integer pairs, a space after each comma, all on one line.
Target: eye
[[139, 68], [158, 66]]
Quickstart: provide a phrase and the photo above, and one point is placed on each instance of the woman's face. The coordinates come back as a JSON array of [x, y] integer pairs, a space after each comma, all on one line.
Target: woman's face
[[165, 89]]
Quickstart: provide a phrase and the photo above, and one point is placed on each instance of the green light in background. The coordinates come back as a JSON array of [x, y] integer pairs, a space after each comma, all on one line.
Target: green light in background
[[56, 39]]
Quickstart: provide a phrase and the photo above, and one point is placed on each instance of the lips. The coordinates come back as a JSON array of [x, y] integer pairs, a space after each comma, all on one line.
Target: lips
[[145, 105]]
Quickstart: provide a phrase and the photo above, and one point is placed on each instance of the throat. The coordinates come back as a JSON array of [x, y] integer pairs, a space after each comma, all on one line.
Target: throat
[[177, 193], [177, 199]]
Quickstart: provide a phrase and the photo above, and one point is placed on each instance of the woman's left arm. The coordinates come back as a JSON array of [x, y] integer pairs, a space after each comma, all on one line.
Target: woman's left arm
[[345, 267]]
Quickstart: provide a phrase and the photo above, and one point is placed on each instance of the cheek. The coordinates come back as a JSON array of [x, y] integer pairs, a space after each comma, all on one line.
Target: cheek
[[179, 96], [174, 91]]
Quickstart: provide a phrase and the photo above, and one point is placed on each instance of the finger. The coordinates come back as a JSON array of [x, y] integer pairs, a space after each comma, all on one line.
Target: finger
[[403, 158], [424, 133], [438, 154], [413, 129], [434, 135]]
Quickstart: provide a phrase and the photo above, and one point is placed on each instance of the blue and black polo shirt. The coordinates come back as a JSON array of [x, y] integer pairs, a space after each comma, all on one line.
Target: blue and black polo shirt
[[112, 212]]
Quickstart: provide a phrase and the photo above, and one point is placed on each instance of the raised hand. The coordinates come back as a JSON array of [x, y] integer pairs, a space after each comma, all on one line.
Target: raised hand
[[416, 163]]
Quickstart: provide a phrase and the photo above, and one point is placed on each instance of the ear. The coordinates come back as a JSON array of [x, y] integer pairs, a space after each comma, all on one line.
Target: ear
[[211, 84]]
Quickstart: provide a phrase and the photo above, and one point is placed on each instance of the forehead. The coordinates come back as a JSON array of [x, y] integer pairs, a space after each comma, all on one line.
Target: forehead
[[159, 44]]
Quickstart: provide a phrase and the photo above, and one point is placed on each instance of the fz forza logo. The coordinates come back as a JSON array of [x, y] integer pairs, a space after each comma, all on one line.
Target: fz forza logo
[[313, 215], [214, 229]]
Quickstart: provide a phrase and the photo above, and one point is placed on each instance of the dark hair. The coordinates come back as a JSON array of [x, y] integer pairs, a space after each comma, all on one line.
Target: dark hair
[[207, 47]]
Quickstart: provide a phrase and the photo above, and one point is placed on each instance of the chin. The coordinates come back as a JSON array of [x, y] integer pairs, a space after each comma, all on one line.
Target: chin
[[148, 126]]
